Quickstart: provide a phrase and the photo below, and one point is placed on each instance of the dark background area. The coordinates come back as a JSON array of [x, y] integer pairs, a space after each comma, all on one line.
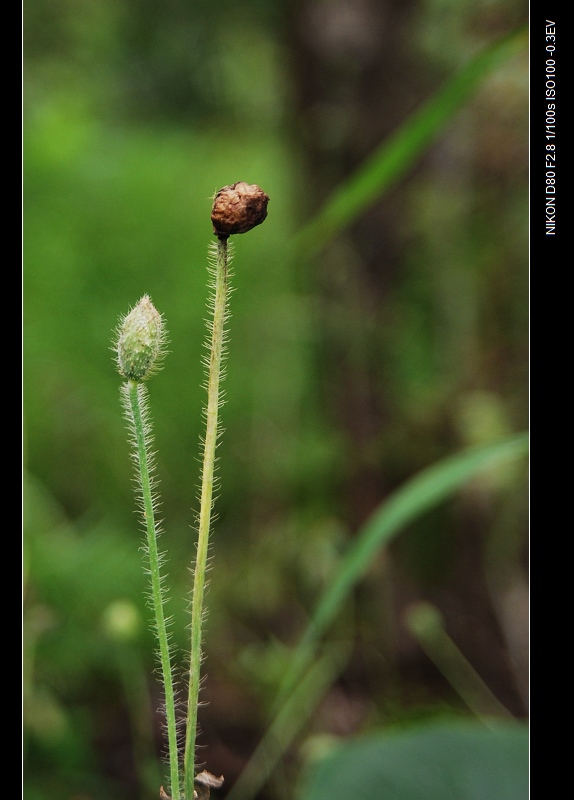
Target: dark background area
[[402, 341]]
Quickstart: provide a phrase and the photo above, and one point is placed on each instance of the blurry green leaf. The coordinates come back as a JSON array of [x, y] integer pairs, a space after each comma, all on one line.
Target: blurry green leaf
[[442, 762], [396, 154], [418, 495]]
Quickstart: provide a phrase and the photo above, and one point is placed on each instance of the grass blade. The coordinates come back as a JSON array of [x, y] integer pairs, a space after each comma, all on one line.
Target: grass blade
[[417, 496], [293, 715], [395, 155], [413, 499]]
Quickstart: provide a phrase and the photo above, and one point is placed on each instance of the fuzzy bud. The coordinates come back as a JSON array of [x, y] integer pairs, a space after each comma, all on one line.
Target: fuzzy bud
[[238, 208], [141, 341]]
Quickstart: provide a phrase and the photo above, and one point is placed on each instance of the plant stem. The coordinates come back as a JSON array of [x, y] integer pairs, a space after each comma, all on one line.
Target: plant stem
[[136, 408], [206, 504]]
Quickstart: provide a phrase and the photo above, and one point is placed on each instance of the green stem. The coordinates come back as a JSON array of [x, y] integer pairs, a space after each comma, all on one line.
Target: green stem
[[136, 408], [206, 505]]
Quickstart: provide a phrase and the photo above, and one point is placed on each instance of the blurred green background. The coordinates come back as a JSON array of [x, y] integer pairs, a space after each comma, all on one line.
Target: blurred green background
[[403, 340]]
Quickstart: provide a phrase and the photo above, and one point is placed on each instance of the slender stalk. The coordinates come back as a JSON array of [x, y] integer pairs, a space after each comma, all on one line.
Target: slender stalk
[[135, 394], [206, 503]]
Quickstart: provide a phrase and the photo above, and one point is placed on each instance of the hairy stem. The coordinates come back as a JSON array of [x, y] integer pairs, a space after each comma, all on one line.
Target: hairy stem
[[206, 504], [136, 410]]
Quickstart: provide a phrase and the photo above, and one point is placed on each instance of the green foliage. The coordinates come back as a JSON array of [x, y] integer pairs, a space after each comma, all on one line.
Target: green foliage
[[447, 761], [396, 155], [115, 208], [298, 695], [412, 500], [73, 573]]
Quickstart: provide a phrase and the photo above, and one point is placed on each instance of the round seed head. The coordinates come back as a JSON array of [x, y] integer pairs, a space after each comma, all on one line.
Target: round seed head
[[238, 208]]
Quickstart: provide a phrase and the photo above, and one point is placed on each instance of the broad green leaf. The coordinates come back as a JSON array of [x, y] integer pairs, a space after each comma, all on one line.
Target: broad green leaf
[[447, 761], [398, 153]]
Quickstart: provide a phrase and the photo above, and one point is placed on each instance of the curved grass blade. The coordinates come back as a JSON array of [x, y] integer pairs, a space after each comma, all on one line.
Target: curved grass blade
[[397, 153], [414, 498]]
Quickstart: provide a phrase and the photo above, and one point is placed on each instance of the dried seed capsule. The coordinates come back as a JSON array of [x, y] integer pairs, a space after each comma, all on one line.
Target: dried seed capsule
[[141, 341], [238, 208]]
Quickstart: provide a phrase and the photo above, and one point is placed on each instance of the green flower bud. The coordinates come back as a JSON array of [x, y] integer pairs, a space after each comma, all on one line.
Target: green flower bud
[[141, 341]]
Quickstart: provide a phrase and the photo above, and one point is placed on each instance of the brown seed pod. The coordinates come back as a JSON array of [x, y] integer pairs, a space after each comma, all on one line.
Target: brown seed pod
[[238, 208]]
